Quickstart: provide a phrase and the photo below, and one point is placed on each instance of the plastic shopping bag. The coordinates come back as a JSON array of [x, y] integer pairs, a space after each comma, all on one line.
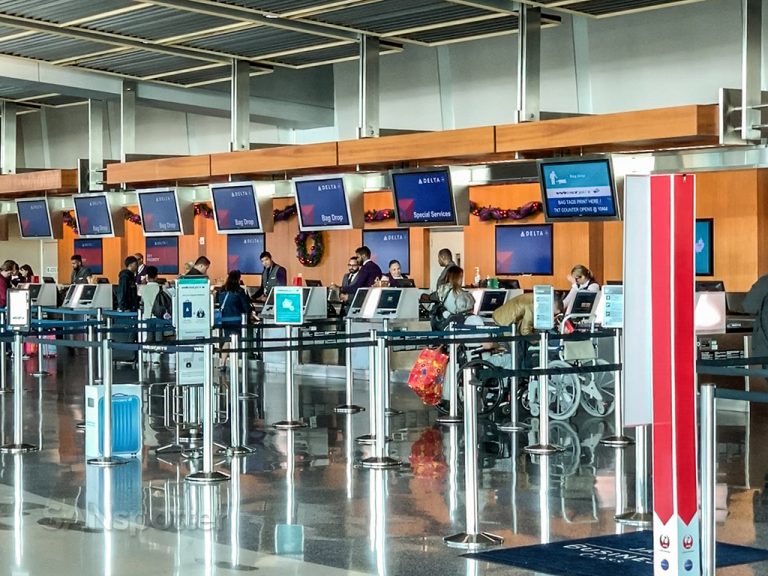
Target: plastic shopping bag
[[428, 374]]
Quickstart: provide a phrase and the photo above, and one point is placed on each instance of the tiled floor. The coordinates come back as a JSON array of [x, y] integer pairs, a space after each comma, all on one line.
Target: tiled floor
[[298, 505]]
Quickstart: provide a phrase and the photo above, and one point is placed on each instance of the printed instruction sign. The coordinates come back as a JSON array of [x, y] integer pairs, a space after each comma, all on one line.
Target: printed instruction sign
[[289, 305], [193, 322], [18, 309], [543, 305], [613, 298]]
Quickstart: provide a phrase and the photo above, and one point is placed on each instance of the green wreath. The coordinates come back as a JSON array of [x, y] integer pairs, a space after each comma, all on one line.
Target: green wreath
[[309, 256]]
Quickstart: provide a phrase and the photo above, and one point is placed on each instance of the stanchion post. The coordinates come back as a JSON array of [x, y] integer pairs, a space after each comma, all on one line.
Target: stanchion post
[[472, 538], [380, 460], [289, 423], [236, 447], [99, 338], [514, 424], [640, 516], [348, 407], [141, 338], [18, 446], [451, 380], [618, 439], [207, 475], [91, 337], [243, 356], [4, 366], [384, 374], [106, 458], [373, 375], [708, 479], [543, 447], [41, 372]]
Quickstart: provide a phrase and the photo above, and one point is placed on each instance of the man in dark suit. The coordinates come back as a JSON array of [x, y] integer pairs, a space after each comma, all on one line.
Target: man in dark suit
[[366, 277], [353, 267], [141, 273], [273, 275]]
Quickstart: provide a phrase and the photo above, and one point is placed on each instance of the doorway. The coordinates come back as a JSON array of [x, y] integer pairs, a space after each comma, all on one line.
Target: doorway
[[439, 238]]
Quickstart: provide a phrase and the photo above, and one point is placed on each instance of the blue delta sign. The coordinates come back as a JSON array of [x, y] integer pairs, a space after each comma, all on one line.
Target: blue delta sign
[[289, 307]]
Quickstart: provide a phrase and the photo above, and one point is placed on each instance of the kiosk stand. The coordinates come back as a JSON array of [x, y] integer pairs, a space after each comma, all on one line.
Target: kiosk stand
[[289, 312], [19, 321], [513, 424], [451, 380], [613, 317], [349, 407], [3, 366]]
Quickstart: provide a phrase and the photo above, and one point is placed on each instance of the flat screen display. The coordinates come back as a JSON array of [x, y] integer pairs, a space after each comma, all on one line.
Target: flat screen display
[[70, 293], [34, 291], [579, 189], [243, 252], [703, 247], [322, 204], [87, 293], [93, 215], [92, 252], [423, 197], [163, 253], [160, 213], [583, 302], [388, 245], [34, 218], [492, 299], [524, 249], [388, 300], [235, 209], [359, 299]]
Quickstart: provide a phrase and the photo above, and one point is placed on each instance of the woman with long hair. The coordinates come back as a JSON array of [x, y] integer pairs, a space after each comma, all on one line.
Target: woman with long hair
[[233, 302], [452, 299], [581, 278]]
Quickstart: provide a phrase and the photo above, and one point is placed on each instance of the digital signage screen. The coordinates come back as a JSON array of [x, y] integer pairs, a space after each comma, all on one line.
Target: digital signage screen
[[388, 245], [34, 218], [235, 209], [163, 253], [93, 215], [243, 251], [160, 212], [524, 249], [322, 204], [578, 190], [703, 247], [423, 197], [92, 252]]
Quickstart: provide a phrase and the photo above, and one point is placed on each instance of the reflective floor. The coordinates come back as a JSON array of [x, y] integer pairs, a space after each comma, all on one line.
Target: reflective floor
[[298, 505]]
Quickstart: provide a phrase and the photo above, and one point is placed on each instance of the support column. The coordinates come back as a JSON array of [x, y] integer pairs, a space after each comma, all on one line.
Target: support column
[[95, 144], [240, 112], [445, 85], [368, 77], [8, 138], [581, 64], [528, 63], [127, 119], [751, 68]]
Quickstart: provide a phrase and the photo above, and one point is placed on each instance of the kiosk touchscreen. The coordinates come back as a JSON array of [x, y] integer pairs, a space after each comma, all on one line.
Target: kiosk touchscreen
[[486, 301], [89, 296], [315, 302], [268, 311], [392, 303], [583, 303], [358, 301], [73, 293], [41, 294]]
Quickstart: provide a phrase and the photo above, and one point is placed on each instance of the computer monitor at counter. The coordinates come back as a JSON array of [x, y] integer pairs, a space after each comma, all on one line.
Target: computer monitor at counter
[[710, 286]]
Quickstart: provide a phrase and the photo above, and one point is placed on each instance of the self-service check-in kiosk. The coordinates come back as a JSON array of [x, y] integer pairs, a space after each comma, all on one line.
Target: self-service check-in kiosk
[[89, 296], [487, 300], [355, 309], [314, 301], [391, 304], [41, 294]]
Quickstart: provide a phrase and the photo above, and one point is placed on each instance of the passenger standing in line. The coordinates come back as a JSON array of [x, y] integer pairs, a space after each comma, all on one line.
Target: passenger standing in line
[[234, 302], [581, 279], [445, 259], [148, 295], [366, 277], [127, 294], [200, 268], [15, 275], [273, 275], [5, 280], [80, 273], [25, 273], [756, 302], [188, 266]]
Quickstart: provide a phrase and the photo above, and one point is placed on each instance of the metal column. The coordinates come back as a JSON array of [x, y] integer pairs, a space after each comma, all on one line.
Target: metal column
[[95, 144], [581, 63], [751, 68], [240, 113], [368, 77], [528, 64], [8, 138], [127, 119]]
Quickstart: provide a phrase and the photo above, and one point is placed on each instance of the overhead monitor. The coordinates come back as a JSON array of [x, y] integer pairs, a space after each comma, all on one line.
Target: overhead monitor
[[160, 213], [163, 254], [524, 249], [243, 251], [34, 219], [238, 209], [388, 245], [704, 247], [578, 189], [93, 215], [92, 252], [424, 197], [323, 203], [491, 300]]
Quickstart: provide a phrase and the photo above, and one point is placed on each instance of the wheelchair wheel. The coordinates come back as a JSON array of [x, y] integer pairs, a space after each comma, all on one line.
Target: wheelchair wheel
[[564, 392], [598, 390], [491, 393]]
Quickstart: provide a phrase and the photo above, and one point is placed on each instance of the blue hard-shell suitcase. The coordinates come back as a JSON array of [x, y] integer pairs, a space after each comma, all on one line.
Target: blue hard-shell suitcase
[[126, 424]]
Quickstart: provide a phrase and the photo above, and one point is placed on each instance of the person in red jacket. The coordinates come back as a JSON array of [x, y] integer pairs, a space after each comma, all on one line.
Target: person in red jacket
[[6, 270]]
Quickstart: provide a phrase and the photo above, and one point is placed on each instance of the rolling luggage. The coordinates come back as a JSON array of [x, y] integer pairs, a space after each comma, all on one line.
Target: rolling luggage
[[126, 424]]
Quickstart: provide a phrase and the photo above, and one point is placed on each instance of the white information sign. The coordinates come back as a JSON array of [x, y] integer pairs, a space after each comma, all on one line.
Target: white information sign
[[18, 309], [193, 322], [543, 305], [613, 302]]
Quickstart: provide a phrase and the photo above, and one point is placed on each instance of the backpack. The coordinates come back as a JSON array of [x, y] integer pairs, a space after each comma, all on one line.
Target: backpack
[[162, 307]]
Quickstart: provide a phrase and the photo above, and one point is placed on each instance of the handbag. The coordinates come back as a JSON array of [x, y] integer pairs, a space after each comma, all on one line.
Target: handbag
[[428, 374], [218, 315]]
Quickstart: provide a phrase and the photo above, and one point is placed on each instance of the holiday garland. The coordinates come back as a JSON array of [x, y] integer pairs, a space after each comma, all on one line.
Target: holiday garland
[[205, 210], [489, 213], [70, 221], [379, 215], [285, 214], [309, 256]]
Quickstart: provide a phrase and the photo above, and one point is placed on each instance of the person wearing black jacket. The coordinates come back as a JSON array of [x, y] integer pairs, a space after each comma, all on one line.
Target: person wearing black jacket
[[127, 294]]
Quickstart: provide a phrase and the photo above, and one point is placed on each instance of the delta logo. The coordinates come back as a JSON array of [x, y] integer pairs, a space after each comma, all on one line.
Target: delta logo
[[664, 541], [688, 542]]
